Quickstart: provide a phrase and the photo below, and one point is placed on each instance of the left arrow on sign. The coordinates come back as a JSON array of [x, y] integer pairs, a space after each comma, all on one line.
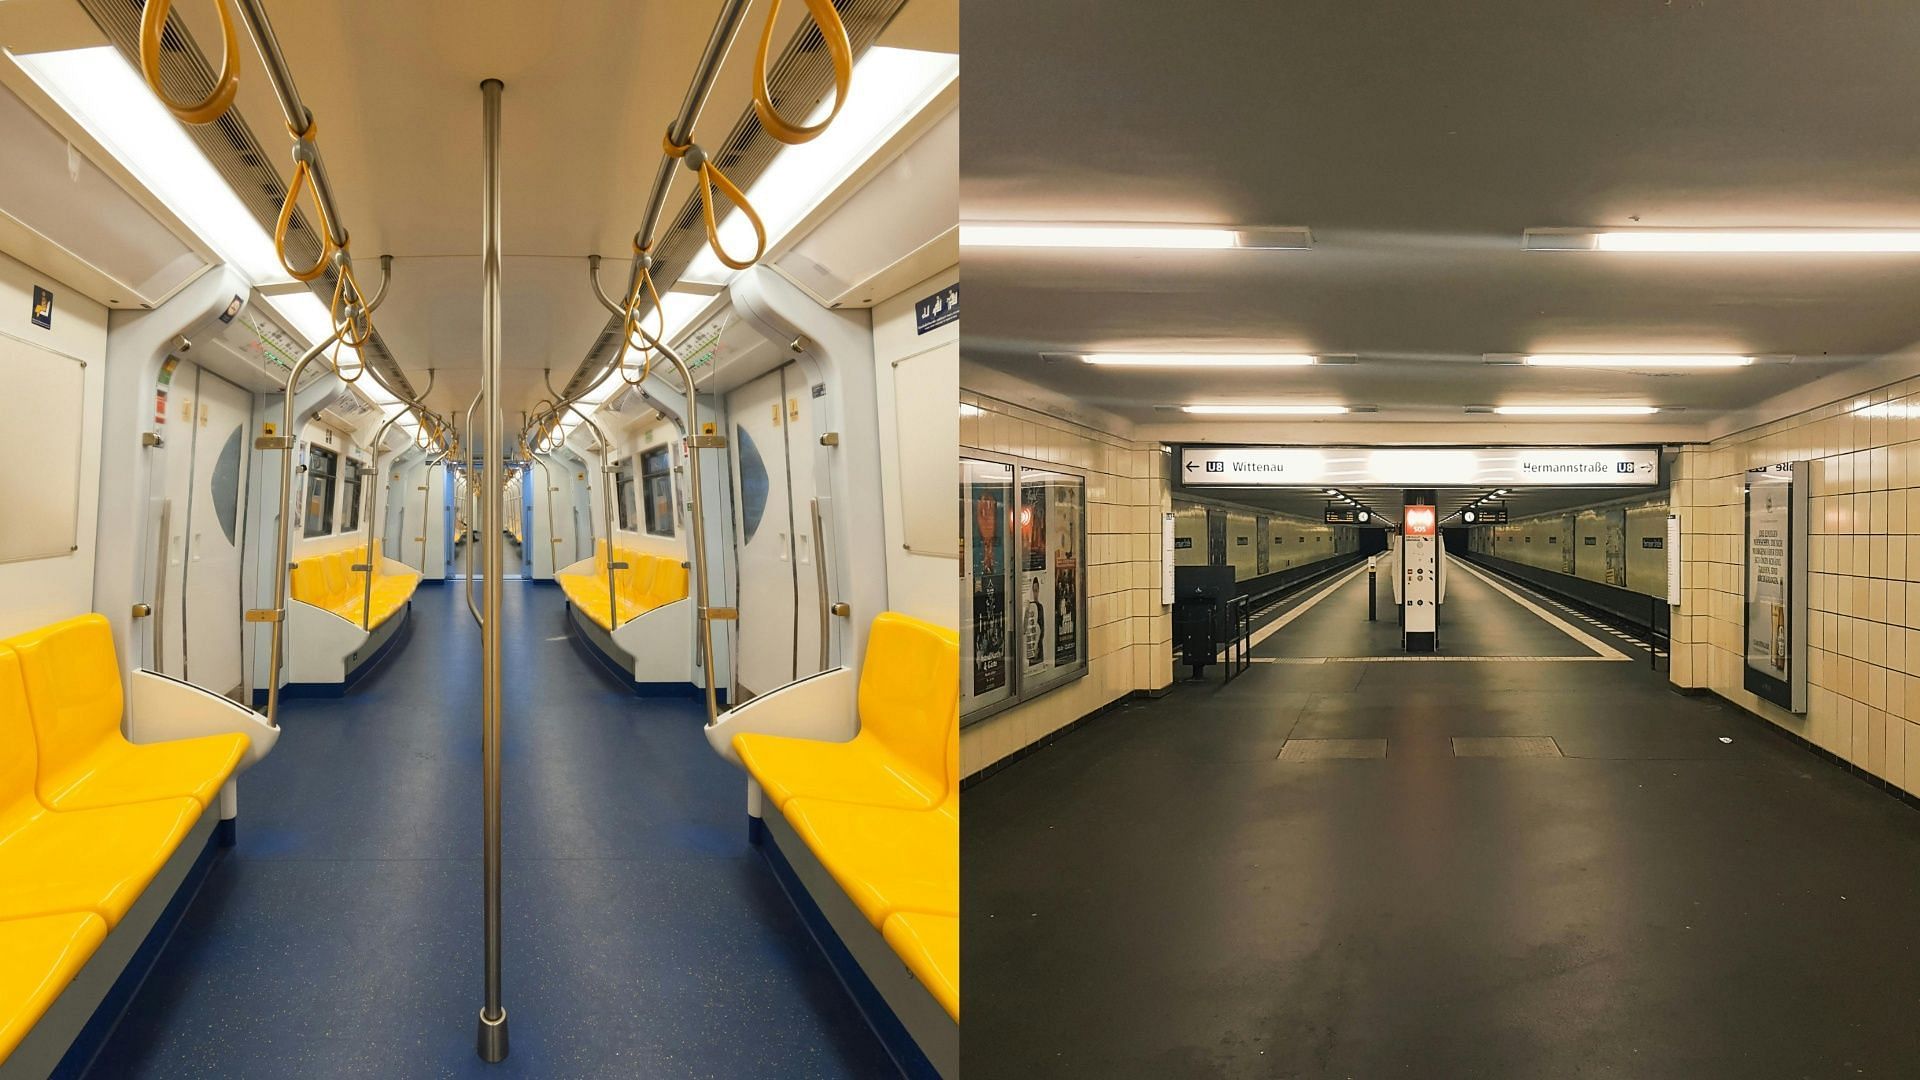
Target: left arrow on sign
[[1190, 466]]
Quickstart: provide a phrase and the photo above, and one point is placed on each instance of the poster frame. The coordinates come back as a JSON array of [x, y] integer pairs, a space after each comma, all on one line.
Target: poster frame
[[1024, 687], [1789, 693]]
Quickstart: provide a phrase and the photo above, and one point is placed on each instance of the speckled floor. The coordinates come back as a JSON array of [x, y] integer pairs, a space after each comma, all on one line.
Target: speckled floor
[[341, 938]]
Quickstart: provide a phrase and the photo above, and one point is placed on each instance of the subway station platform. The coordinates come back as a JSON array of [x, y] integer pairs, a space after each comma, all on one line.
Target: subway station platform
[[1524, 855]]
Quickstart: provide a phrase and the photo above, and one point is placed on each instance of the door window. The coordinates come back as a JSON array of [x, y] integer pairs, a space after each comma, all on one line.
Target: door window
[[322, 466], [656, 476]]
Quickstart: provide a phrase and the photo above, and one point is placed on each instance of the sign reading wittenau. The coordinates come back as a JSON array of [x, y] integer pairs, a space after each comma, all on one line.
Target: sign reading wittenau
[[1347, 466]]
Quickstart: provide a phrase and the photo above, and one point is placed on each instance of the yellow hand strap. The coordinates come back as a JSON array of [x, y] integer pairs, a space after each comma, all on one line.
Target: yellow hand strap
[[630, 324], [303, 178], [153, 24], [839, 50], [710, 178]]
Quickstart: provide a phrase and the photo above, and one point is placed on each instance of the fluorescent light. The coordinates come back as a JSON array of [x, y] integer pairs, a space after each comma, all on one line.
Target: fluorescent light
[[1727, 241], [967, 408], [1200, 359], [303, 313], [1576, 410], [1163, 237], [677, 309], [1630, 360], [113, 103], [1264, 410], [890, 86]]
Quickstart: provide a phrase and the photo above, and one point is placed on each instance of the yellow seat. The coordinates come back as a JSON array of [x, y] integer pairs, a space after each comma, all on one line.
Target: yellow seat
[[885, 860], [330, 582], [930, 946], [906, 753], [669, 584], [51, 861], [75, 700], [39, 957]]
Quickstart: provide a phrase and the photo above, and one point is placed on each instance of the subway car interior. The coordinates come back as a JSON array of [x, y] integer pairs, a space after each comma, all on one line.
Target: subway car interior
[[1439, 489], [478, 565]]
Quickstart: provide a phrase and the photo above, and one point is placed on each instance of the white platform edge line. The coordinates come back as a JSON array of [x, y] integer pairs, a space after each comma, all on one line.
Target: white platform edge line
[[1604, 650], [1280, 623]]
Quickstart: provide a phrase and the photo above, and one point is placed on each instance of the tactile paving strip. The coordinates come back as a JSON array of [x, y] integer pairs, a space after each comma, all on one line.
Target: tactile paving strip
[[1332, 749], [1509, 746]]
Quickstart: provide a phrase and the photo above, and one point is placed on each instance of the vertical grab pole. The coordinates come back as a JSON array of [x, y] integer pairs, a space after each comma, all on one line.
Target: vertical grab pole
[[492, 1041]]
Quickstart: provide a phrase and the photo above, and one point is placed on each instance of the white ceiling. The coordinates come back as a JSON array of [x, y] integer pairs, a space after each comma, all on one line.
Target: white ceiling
[[590, 87], [1418, 140]]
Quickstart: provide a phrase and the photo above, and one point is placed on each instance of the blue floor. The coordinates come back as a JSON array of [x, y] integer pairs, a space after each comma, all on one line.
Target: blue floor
[[644, 937]]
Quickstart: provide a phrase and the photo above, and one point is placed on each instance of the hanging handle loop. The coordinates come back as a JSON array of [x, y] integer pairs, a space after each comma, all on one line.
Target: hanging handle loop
[[839, 50], [303, 178], [711, 178], [630, 323], [153, 25]]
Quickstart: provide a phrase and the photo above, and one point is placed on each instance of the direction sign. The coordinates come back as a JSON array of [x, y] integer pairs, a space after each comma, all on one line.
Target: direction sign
[[1343, 514], [1424, 467], [1485, 514]]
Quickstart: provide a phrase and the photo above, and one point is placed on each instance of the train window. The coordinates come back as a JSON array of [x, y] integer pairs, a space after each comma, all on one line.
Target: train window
[[350, 483], [1023, 602], [623, 494], [322, 466], [656, 477]]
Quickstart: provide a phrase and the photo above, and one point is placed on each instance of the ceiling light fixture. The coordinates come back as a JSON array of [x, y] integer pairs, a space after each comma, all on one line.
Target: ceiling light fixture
[[1265, 410], [1727, 241], [1031, 234], [98, 88], [1635, 360], [1576, 410], [1176, 360]]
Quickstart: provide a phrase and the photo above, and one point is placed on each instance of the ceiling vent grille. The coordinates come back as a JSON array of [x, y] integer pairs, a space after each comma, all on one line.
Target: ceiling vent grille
[[228, 144], [798, 80]]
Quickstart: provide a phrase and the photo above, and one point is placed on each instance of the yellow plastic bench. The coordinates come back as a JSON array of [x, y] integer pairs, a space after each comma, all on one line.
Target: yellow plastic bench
[[73, 692], [885, 860], [881, 811], [930, 946], [39, 956], [330, 583], [646, 582], [901, 756], [74, 860]]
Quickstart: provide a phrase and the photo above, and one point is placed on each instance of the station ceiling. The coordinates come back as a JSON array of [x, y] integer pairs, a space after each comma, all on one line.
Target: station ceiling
[[1418, 141]]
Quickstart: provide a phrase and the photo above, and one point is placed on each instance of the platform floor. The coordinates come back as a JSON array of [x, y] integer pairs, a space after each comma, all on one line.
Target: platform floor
[[1673, 891], [644, 937]]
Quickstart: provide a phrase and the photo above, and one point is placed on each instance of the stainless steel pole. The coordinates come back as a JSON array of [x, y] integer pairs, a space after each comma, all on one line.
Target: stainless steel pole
[[492, 1042]]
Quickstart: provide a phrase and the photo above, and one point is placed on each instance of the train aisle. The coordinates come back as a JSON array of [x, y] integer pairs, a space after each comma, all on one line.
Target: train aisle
[[1548, 866], [643, 936]]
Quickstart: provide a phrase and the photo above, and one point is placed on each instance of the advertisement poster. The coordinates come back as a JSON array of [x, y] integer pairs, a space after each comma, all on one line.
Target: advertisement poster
[[1033, 630], [1065, 522], [1263, 528], [1616, 524], [1769, 526], [1033, 527], [989, 558], [1216, 538]]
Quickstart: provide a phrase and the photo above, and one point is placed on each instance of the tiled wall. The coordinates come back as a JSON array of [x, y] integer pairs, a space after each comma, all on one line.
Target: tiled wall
[[1130, 640], [1863, 574]]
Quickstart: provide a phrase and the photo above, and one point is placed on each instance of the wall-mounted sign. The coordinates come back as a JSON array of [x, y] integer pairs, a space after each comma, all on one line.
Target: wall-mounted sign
[[1342, 514], [43, 307], [1485, 514], [1168, 543], [1653, 543], [1419, 521], [1359, 466], [1776, 585], [933, 312]]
